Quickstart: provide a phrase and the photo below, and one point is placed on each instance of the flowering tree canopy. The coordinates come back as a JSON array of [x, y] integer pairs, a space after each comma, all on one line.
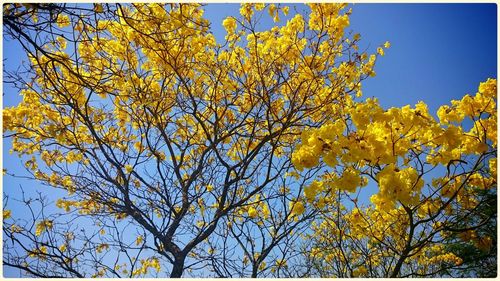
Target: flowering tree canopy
[[184, 156]]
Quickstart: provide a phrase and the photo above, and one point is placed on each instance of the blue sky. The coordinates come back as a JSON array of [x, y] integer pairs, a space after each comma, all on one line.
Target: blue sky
[[438, 52]]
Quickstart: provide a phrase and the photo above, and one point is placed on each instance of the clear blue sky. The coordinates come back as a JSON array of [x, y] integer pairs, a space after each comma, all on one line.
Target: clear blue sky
[[439, 52]]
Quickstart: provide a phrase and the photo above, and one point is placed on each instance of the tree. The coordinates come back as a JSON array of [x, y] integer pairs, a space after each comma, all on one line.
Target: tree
[[167, 142], [435, 207], [478, 247], [182, 156]]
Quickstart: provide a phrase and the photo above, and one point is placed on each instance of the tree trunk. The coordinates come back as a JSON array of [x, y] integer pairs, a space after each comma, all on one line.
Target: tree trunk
[[396, 270], [254, 271], [178, 267]]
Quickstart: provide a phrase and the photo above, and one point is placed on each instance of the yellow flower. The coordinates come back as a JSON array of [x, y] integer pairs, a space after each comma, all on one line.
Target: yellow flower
[[6, 214], [246, 10], [62, 42], [155, 263], [98, 8], [349, 180], [42, 226], [139, 240], [311, 190], [488, 88], [285, 10], [129, 168], [262, 265], [359, 271], [39, 253], [62, 21], [252, 212], [281, 263], [265, 211], [493, 167], [62, 248], [380, 51], [102, 247], [259, 6], [229, 24], [296, 208], [272, 10], [15, 229]]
